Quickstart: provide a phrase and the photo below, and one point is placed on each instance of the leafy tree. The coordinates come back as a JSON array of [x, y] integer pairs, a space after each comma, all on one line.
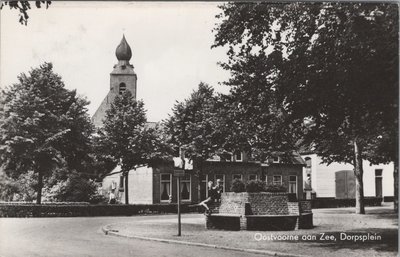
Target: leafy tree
[[23, 7], [42, 126], [127, 138], [76, 188], [385, 150], [194, 126], [252, 121], [21, 188], [102, 163], [332, 66]]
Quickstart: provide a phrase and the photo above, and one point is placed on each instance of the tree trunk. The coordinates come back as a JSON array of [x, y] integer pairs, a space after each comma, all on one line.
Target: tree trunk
[[126, 187], [396, 185], [358, 172], [39, 188]]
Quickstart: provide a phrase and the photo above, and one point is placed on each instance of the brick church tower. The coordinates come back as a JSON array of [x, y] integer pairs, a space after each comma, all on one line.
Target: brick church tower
[[122, 78]]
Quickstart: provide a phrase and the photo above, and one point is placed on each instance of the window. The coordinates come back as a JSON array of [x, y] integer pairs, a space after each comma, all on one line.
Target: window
[[307, 183], [238, 156], [237, 176], [276, 159], [253, 177], [113, 185], [121, 183], [185, 188], [221, 177], [378, 182], [122, 88], [277, 180], [293, 184], [165, 184], [308, 162], [203, 186], [225, 157]]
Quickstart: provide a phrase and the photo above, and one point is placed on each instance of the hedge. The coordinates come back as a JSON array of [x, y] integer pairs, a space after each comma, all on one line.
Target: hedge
[[238, 186], [79, 210], [335, 203], [44, 203]]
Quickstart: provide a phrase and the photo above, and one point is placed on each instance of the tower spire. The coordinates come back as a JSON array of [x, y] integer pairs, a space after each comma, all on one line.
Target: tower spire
[[123, 51]]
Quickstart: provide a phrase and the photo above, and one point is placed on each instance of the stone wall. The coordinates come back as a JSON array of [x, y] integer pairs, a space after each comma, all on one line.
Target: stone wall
[[268, 203], [252, 210], [233, 203], [293, 208], [305, 206], [258, 204]]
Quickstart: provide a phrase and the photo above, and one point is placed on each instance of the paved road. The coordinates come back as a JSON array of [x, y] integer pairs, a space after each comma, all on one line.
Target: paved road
[[83, 237]]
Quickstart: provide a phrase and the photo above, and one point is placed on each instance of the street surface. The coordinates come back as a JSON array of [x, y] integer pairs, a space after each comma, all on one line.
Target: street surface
[[82, 236]]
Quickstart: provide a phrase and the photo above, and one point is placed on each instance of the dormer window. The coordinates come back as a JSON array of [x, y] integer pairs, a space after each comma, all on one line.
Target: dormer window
[[226, 157], [276, 159], [238, 156], [122, 88]]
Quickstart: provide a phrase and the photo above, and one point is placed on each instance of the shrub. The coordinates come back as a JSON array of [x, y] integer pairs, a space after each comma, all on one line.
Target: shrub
[[98, 199], [21, 188], [275, 188], [255, 186], [82, 210], [74, 189], [237, 186]]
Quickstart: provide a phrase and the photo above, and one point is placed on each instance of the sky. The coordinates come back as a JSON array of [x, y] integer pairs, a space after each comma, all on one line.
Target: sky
[[170, 42]]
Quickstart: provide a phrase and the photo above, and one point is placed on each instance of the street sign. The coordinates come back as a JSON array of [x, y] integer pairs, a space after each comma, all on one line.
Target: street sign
[[179, 173]]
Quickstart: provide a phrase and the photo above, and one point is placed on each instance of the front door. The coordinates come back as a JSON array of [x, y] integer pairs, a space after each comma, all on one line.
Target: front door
[[345, 184], [378, 186]]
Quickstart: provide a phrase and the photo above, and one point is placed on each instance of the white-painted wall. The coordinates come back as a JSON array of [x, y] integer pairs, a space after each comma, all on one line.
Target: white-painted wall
[[323, 176], [140, 185]]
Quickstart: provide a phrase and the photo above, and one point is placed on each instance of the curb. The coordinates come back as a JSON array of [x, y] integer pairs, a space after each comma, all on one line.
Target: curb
[[107, 231]]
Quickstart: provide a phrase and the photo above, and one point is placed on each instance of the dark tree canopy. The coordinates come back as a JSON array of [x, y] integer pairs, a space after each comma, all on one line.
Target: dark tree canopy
[[23, 7], [193, 125], [43, 125], [127, 139], [331, 67]]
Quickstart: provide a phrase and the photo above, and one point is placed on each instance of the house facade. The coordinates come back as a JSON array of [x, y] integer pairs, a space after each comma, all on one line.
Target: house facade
[[337, 180], [158, 185]]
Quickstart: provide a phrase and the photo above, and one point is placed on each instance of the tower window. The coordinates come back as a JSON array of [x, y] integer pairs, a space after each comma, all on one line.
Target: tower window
[[122, 88]]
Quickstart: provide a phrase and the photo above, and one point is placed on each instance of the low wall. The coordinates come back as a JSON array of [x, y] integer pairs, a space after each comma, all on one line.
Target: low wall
[[259, 211], [337, 203], [272, 223], [260, 203], [233, 203], [269, 203], [80, 210], [305, 206]]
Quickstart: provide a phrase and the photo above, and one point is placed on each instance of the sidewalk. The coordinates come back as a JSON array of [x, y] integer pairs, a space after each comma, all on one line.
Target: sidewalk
[[337, 232]]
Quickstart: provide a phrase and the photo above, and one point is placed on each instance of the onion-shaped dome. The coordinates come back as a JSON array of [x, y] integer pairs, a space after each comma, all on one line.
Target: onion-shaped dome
[[123, 51]]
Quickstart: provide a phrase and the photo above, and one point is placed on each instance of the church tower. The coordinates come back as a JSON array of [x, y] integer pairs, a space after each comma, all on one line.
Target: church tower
[[122, 78]]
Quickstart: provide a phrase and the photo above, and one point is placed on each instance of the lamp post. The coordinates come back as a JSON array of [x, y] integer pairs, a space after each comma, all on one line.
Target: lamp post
[[179, 171]]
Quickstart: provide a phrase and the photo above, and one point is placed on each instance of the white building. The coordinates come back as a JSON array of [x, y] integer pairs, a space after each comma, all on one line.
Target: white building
[[337, 179]]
